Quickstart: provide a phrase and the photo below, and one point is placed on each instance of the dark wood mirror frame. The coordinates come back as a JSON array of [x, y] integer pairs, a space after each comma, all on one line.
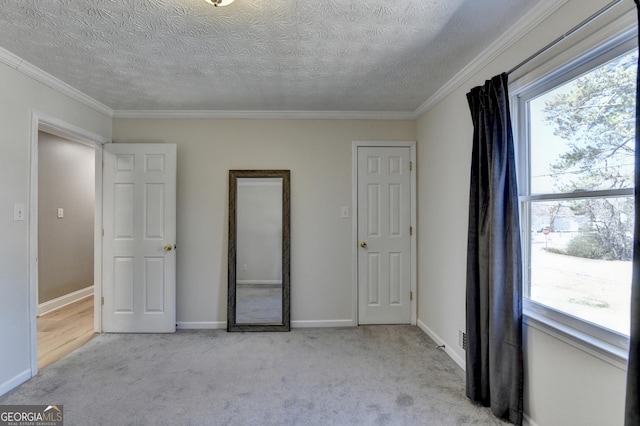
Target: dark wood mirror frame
[[232, 324]]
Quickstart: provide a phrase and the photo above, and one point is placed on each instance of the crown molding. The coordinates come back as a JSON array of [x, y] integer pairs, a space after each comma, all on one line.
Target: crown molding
[[37, 74], [268, 115], [56, 84], [509, 38], [520, 29], [8, 58]]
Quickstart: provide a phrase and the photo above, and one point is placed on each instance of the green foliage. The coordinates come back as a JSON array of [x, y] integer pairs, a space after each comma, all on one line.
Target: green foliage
[[598, 118], [596, 115], [586, 244], [555, 250]]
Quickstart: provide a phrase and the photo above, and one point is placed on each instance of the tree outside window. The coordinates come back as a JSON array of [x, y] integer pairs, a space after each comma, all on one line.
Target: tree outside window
[[581, 204]]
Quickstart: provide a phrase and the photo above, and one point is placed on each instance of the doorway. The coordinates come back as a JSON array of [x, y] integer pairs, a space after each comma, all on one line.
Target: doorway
[[384, 232], [59, 297], [66, 207]]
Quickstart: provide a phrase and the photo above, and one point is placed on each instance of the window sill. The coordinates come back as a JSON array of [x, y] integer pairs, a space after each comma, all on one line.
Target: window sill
[[605, 351]]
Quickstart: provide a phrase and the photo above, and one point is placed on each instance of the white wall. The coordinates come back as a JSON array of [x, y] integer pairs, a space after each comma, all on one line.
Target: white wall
[[66, 179], [20, 96], [318, 153], [564, 385]]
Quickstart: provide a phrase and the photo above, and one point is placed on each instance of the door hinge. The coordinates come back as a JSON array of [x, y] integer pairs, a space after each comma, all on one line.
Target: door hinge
[[104, 164], [410, 230], [410, 165], [103, 300], [103, 232], [410, 295]]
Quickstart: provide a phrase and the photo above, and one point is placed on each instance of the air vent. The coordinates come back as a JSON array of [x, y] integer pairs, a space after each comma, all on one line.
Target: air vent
[[462, 339]]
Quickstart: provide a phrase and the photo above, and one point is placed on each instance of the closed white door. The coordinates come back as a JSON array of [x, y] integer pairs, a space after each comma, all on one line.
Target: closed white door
[[384, 252], [139, 225]]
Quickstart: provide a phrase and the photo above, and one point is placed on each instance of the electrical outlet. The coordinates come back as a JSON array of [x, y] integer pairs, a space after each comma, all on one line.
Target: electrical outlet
[[245, 267]]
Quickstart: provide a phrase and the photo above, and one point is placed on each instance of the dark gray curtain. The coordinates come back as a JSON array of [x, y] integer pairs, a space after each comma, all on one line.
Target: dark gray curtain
[[494, 276], [632, 414]]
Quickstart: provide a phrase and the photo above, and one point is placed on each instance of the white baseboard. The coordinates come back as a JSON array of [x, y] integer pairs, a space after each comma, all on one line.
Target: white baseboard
[[528, 421], [14, 382], [321, 323], [59, 302], [461, 362], [201, 325], [217, 325]]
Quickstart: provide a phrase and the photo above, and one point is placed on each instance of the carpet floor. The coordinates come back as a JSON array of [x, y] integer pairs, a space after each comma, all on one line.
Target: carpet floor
[[372, 375], [257, 304]]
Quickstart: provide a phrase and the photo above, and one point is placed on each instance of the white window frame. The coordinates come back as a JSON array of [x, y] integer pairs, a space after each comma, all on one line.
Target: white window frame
[[606, 344]]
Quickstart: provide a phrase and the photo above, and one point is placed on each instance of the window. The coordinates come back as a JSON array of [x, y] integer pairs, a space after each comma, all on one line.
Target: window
[[576, 130]]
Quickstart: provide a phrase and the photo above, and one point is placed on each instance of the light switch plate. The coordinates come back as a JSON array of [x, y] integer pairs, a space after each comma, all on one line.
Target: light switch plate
[[19, 211], [345, 212], [60, 212]]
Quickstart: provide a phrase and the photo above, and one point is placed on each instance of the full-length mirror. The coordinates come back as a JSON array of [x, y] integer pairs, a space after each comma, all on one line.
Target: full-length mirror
[[258, 298]]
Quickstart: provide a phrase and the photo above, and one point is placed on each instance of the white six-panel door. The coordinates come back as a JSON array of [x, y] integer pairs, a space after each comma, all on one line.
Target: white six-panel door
[[384, 242], [139, 221]]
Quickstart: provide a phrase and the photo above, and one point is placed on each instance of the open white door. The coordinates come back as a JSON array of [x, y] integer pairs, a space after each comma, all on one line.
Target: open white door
[[384, 235], [139, 224]]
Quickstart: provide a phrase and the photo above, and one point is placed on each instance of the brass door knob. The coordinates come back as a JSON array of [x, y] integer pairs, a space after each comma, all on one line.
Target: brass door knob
[[168, 247], [363, 244]]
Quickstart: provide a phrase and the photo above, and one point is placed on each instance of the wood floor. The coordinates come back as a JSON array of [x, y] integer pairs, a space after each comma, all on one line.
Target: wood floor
[[64, 330]]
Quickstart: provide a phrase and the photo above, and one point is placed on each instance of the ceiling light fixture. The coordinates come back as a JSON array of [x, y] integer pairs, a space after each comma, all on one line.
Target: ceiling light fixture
[[217, 3]]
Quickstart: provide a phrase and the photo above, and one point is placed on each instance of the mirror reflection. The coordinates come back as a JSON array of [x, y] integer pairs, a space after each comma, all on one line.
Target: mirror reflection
[[258, 250]]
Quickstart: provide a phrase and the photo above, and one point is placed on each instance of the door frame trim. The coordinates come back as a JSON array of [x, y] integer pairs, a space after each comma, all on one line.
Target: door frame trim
[[354, 221], [57, 127]]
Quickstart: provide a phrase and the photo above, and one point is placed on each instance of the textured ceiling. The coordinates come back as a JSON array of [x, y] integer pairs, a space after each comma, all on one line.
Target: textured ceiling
[[304, 55]]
